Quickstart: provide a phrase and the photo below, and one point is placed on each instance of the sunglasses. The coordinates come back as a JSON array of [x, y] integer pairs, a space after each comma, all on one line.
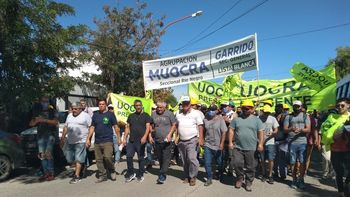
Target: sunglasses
[[340, 106], [75, 108], [297, 106]]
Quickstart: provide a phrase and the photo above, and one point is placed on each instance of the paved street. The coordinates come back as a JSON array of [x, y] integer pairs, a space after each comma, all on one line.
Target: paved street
[[25, 183]]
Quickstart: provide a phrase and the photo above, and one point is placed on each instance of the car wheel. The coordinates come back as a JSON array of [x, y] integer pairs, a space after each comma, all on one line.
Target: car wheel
[[5, 167]]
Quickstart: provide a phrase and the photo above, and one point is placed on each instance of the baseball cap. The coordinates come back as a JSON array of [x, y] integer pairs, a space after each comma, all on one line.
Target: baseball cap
[[110, 106], [297, 103], [186, 99], [231, 103], [225, 103]]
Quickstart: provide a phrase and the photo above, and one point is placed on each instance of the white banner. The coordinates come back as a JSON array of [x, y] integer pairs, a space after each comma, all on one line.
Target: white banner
[[237, 56]]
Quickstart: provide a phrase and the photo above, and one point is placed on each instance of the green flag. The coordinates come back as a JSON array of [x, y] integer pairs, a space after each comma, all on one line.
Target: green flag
[[280, 91], [310, 77], [124, 105]]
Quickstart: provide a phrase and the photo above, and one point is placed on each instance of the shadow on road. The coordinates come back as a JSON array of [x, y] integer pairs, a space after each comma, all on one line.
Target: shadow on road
[[176, 173]]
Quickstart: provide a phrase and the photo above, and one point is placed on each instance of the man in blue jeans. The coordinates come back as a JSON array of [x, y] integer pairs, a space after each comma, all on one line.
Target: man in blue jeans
[[138, 126], [45, 117], [215, 133], [297, 125]]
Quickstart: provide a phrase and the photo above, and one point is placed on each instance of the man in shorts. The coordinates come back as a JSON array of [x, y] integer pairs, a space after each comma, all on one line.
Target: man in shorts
[[77, 127]]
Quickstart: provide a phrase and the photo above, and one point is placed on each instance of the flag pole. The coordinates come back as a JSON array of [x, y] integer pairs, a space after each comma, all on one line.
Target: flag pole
[[257, 69]]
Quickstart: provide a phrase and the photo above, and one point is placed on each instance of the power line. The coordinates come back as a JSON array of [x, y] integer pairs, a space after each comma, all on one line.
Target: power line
[[209, 26], [306, 32], [290, 35], [225, 25]]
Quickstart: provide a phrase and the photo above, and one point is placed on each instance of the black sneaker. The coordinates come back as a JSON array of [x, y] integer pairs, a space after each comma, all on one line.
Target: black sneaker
[[75, 180], [262, 178], [130, 178], [270, 180]]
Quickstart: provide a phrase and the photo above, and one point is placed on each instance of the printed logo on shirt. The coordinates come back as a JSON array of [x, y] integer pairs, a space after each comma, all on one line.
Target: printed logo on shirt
[[105, 120]]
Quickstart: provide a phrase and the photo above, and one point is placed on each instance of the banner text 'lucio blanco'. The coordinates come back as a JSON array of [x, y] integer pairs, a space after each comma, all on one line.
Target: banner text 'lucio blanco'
[[221, 61]]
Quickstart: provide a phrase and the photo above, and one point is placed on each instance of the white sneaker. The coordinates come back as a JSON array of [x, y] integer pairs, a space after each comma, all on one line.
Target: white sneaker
[[130, 178]]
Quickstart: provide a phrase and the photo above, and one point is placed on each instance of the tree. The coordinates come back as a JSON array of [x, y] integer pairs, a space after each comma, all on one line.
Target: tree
[[342, 62], [165, 94], [171, 100], [35, 53], [123, 39]]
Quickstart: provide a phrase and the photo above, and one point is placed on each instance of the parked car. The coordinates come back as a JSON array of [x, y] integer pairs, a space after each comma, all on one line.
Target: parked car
[[11, 154]]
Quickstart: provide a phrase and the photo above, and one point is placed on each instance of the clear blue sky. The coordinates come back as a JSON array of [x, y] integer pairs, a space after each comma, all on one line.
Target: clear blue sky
[[272, 19]]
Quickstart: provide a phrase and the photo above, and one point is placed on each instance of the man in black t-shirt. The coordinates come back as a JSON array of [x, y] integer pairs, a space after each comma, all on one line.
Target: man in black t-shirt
[[101, 125], [138, 126]]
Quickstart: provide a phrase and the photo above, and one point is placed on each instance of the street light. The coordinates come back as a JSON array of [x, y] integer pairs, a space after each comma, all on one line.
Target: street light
[[198, 13]]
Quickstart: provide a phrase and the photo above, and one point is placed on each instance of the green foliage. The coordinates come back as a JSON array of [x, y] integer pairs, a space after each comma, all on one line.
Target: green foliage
[[164, 94], [35, 52], [123, 39], [171, 100], [342, 62]]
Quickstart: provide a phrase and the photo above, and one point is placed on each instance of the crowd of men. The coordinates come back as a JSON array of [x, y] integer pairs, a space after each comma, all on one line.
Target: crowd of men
[[246, 140]]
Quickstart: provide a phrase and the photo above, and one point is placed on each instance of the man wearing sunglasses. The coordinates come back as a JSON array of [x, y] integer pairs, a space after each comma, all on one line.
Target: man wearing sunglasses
[[297, 125], [246, 136], [336, 136]]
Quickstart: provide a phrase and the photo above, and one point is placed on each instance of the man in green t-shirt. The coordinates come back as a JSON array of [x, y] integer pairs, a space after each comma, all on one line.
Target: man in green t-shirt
[[246, 136]]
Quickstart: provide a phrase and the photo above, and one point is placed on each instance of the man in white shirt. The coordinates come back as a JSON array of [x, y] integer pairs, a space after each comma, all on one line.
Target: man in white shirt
[[77, 127], [190, 129]]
